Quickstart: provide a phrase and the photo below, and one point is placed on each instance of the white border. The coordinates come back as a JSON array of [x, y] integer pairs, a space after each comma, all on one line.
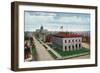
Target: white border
[[23, 64]]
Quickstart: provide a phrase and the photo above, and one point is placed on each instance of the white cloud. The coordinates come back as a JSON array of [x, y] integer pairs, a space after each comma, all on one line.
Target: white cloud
[[53, 22]]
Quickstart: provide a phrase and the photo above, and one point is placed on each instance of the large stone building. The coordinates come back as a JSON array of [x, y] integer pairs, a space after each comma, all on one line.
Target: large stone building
[[42, 33], [67, 41]]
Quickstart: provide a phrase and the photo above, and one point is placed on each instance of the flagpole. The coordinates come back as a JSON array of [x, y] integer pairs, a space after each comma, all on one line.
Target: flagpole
[[61, 27]]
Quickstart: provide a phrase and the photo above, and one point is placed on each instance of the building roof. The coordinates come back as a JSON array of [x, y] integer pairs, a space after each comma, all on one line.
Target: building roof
[[67, 35]]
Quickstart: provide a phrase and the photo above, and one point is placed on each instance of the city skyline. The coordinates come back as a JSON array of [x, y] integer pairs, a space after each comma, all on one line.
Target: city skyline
[[53, 21]]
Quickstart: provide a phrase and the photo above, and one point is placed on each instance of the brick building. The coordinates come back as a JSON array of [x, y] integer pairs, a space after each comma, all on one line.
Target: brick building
[[67, 41]]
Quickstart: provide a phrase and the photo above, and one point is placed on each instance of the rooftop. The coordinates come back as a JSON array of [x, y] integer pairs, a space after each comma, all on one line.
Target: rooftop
[[67, 34]]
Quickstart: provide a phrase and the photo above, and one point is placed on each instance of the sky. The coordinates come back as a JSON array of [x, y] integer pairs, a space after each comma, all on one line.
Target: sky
[[53, 21]]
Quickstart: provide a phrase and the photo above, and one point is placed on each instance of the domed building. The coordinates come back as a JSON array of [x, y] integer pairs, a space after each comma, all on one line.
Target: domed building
[[42, 33]]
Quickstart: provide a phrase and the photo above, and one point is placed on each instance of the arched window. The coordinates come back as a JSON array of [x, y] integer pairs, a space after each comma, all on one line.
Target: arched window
[[65, 47], [79, 45], [79, 40], [72, 40], [76, 46], [65, 41], [69, 47], [72, 46], [69, 41]]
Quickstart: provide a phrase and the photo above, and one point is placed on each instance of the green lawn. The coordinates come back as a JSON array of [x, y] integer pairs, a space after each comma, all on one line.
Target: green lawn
[[75, 52], [69, 53], [33, 51]]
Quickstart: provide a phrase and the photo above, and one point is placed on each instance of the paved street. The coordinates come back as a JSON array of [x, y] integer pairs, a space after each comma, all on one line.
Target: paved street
[[42, 53]]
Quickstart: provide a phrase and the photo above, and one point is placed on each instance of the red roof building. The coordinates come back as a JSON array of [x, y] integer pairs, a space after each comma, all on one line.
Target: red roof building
[[67, 41], [67, 35]]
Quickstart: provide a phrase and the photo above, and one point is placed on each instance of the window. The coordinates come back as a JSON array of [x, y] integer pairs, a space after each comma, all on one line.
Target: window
[[79, 40], [69, 41], [73, 46], [72, 40], [79, 45], [65, 41], [76, 46], [65, 47], [69, 47]]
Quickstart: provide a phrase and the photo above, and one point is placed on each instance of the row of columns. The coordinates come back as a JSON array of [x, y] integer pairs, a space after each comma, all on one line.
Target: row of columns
[[71, 47]]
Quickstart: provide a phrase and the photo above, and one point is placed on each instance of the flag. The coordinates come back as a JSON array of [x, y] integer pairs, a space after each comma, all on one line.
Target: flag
[[61, 27]]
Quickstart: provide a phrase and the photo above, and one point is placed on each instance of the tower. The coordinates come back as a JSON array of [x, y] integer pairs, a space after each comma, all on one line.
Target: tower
[[41, 29]]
